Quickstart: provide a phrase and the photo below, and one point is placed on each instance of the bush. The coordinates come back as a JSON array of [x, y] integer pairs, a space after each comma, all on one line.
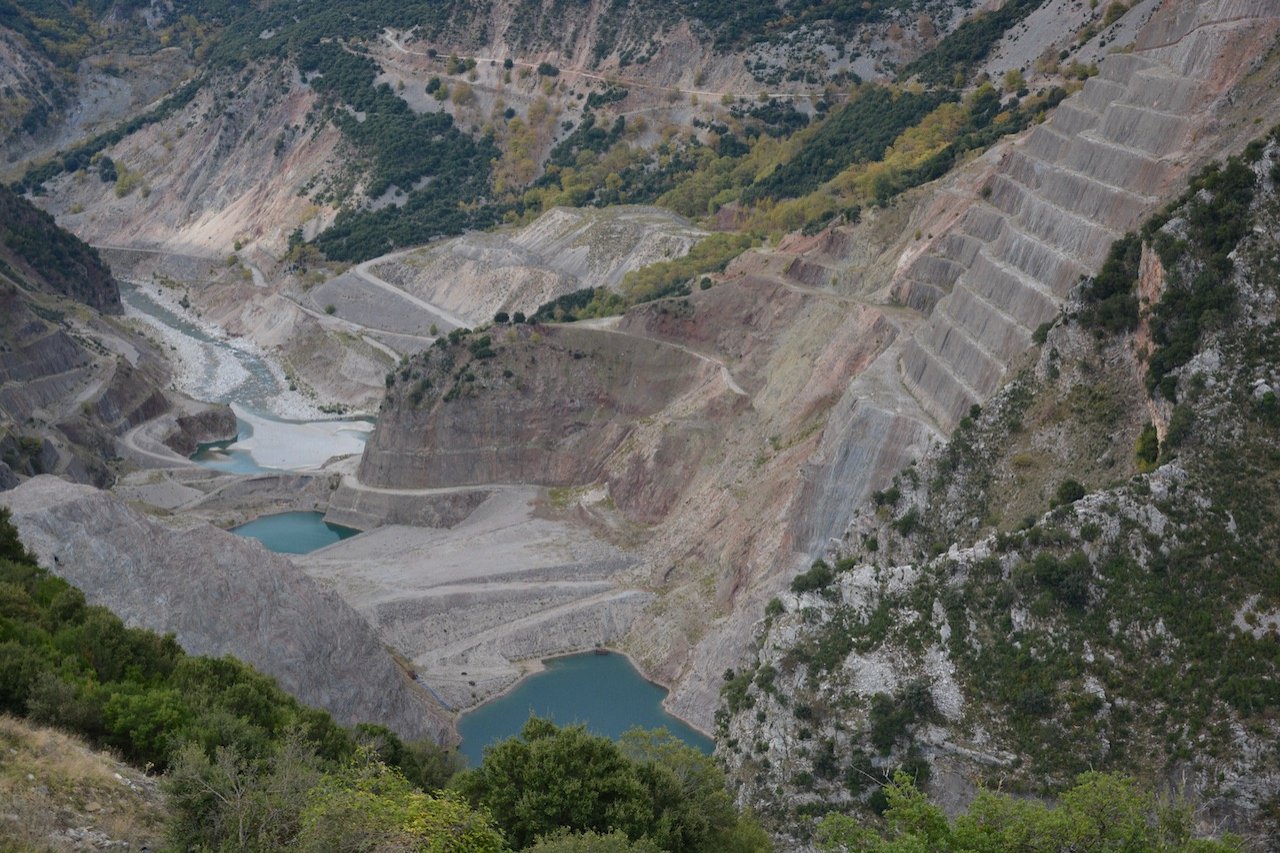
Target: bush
[[1103, 811], [819, 576], [1069, 491], [1147, 450], [648, 786], [1111, 297]]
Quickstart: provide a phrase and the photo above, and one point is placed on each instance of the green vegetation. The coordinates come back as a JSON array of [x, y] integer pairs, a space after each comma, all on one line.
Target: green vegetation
[[819, 576], [81, 156], [860, 131], [1198, 265], [64, 34], [1110, 296], [1100, 812], [1128, 632], [738, 24], [959, 53], [836, 168], [648, 786], [656, 281], [67, 264], [250, 769], [1198, 295], [78, 667]]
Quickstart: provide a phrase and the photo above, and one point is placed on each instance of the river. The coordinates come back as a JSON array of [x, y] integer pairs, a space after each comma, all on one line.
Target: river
[[279, 427]]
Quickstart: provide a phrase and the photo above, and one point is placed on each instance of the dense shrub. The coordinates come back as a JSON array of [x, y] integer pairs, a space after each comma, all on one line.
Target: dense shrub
[[819, 576], [648, 786]]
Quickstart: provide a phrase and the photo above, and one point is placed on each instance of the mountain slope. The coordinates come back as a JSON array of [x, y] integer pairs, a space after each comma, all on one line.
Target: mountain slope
[[1083, 577], [73, 378]]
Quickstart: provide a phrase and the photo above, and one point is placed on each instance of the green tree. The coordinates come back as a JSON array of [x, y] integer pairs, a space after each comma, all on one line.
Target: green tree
[[369, 806], [1103, 811], [551, 780]]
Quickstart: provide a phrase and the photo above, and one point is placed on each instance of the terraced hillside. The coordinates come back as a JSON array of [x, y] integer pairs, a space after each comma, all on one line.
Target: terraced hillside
[[1048, 213]]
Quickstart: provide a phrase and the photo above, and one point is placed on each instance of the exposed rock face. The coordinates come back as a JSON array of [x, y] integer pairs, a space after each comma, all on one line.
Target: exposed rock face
[[1053, 596], [222, 183], [71, 378], [203, 424], [222, 594], [581, 388], [564, 250], [998, 264]]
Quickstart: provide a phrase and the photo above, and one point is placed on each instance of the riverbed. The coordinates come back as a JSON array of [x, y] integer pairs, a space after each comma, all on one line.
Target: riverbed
[[279, 427]]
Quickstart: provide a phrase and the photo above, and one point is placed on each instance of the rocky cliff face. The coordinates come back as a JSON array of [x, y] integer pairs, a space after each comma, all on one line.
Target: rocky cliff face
[[222, 594], [72, 378], [1061, 586], [481, 411]]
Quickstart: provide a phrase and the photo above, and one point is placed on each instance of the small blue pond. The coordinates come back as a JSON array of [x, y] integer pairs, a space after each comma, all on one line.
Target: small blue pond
[[602, 691], [294, 532]]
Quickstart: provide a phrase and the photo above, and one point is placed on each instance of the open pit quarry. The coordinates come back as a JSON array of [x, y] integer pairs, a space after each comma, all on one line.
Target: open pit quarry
[[649, 481], [813, 371]]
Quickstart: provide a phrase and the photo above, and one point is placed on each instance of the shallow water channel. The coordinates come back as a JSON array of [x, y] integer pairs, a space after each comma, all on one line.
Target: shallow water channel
[[602, 691]]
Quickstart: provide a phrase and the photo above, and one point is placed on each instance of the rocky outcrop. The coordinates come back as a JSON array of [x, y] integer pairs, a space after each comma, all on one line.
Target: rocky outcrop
[[222, 594], [70, 382], [363, 508], [202, 423]]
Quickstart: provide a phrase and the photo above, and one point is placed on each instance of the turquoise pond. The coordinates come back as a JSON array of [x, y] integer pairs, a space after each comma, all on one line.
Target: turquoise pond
[[602, 691], [294, 532]]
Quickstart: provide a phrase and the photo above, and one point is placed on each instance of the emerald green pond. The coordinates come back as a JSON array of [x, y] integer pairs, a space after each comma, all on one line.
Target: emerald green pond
[[602, 691], [294, 532]]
